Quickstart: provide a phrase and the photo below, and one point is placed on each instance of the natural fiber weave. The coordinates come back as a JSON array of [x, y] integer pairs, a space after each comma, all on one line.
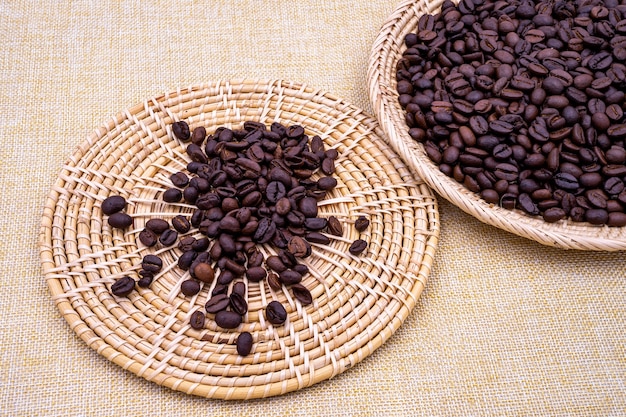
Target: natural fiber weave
[[358, 301], [386, 52]]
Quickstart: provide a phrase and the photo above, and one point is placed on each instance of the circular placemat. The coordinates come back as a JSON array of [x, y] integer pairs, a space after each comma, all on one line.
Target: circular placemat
[[386, 52], [359, 301]]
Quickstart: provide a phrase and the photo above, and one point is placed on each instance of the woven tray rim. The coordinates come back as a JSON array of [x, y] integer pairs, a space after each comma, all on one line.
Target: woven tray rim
[[385, 53], [89, 310]]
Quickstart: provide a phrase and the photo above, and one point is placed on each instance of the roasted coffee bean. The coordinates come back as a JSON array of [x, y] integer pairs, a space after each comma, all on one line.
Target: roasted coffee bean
[[123, 286], [326, 183], [238, 303], [290, 276], [204, 272], [256, 273], [152, 263], [113, 204], [357, 247], [228, 319], [361, 223], [120, 220], [181, 224], [302, 294], [157, 226], [181, 130], [168, 237], [275, 263], [172, 195], [275, 313], [148, 237], [334, 226], [318, 238], [299, 247], [190, 287], [145, 280], [244, 343], [217, 303], [179, 179], [197, 319]]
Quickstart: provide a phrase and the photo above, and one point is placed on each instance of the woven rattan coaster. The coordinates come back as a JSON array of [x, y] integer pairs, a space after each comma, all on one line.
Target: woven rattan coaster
[[359, 301], [386, 52]]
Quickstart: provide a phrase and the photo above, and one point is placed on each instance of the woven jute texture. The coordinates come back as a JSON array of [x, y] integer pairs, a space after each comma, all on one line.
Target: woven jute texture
[[504, 326], [386, 52], [358, 301]]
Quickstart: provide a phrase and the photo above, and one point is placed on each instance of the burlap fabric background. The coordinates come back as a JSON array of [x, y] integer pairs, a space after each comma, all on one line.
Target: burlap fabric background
[[504, 327]]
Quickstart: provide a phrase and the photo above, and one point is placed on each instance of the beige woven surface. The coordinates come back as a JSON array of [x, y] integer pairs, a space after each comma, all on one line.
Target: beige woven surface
[[358, 301], [504, 327], [387, 50]]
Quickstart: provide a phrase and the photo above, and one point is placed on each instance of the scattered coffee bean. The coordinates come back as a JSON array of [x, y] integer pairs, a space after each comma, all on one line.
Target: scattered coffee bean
[[357, 247], [113, 204], [217, 303], [181, 130], [361, 223], [123, 286], [120, 220], [275, 313], [302, 294], [204, 272], [244, 343], [181, 224], [148, 237], [197, 319], [227, 319]]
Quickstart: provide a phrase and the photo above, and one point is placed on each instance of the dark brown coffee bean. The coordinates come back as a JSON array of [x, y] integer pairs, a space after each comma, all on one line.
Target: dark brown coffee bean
[[244, 343], [318, 238], [157, 226], [334, 226], [148, 238], [190, 287], [326, 183], [228, 319], [179, 179], [299, 247], [302, 294], [123, 286], [597, 216], [361, 223], [217, 303], [238, 303], [275, 313], [172, 195], [181, 130], [290, 277], [197, 319], [357, 247], [256, 273], [152, 263], [120, 220], [168, 237], [113, 204], [181, 224], [616, 219]]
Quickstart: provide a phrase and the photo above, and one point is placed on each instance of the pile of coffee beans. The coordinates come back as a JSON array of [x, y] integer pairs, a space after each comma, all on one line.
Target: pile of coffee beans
[[523, 102], [249, 186]]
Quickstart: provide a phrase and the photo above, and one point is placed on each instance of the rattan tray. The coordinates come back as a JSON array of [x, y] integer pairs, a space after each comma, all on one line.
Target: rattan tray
[[386, 51], [359, 302]]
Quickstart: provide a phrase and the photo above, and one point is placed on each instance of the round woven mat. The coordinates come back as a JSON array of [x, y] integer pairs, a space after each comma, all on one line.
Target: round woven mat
[[359, 302], [386, 52]]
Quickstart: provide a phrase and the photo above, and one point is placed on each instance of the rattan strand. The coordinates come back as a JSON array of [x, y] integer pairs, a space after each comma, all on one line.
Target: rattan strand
[[386, 51], [359, 302]]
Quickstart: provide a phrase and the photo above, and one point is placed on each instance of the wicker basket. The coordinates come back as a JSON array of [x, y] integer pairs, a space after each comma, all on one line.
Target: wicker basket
[[386, 52], [359, 302]]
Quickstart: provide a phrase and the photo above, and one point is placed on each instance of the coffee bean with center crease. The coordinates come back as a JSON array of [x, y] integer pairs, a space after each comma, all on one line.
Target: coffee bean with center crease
[[197, 319], [181, 224], [357, 247], [217, 303], [123, 286], [152, 263], [302, 294], [275, 313]]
